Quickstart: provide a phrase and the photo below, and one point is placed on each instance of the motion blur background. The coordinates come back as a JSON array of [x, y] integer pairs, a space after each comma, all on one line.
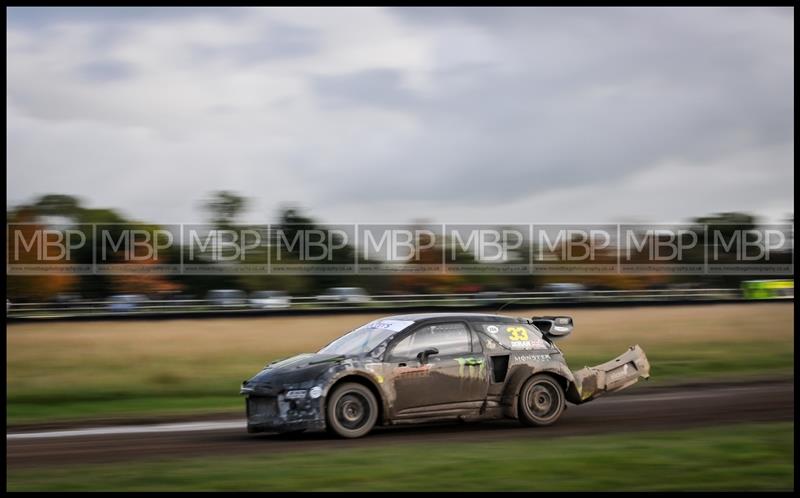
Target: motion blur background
[[410, 116]]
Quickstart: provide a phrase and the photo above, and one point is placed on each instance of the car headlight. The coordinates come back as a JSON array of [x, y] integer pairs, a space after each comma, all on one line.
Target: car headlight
[[315, 392]]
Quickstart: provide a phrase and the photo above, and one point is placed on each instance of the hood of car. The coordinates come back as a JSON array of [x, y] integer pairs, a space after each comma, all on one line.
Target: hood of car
[[294, 372]]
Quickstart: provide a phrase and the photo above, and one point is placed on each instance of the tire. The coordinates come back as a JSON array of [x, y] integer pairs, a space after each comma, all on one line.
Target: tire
[[352, 410], [541, 401]]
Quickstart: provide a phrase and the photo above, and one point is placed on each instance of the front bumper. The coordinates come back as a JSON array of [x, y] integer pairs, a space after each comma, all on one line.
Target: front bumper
[[277, 414]]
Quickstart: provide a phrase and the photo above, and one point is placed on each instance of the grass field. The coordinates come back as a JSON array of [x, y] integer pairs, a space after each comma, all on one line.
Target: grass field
[[741, 457], [74, 370]]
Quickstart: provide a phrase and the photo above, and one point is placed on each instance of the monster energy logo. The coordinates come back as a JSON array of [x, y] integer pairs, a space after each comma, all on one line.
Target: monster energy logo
[[474, 367]]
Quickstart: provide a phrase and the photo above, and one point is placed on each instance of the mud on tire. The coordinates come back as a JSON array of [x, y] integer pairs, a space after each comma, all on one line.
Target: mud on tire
[[541, 401], [351, 410]]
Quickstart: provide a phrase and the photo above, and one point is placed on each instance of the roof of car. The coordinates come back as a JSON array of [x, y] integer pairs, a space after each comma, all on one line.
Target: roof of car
[[478, 317]]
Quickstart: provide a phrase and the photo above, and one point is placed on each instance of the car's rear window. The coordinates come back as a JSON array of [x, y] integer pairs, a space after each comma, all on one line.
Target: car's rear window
[[515, 335]]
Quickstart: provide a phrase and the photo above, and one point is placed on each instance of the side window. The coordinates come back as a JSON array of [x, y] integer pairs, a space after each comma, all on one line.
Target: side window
[[448, 338]]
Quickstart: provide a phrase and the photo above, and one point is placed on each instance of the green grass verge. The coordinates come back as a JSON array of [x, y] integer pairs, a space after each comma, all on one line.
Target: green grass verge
[[740, 457], [123, 408]]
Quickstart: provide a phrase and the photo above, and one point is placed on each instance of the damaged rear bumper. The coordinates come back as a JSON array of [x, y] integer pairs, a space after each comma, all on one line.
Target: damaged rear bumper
[[617, 374], [277, 414]]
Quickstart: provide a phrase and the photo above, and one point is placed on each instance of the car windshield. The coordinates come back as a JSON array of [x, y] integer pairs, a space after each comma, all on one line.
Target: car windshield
[[366, 337]]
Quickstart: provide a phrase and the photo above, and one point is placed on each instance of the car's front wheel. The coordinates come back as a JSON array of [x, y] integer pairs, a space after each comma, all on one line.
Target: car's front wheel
[[352, 410], [541, 401]]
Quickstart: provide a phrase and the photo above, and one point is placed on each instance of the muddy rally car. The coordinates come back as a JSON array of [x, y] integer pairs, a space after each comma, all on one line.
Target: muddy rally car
[[431, 367]]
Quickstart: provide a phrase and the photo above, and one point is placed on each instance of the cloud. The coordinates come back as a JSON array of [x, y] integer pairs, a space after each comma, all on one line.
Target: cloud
[[38, 17], [277, 41], [106, 70], [496, 114], [374, 87]]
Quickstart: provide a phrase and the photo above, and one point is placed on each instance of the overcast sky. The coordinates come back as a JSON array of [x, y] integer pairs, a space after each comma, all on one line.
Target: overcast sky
[[391, 115]]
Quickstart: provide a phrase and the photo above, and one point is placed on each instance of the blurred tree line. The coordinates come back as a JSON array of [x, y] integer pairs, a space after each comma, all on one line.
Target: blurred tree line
[[224, 209]]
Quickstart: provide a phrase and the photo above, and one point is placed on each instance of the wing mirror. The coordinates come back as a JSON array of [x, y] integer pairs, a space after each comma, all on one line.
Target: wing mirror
[[422, 356]]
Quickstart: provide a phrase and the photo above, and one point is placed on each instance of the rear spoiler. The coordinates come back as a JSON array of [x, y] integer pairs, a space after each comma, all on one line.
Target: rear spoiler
[[553, 326]]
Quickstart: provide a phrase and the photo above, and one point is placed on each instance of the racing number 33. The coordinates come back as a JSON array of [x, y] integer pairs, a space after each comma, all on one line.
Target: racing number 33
[[517, 333]]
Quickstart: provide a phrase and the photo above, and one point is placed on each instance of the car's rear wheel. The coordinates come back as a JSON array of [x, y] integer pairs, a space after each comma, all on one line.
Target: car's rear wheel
[[352, 410], [541, 401]]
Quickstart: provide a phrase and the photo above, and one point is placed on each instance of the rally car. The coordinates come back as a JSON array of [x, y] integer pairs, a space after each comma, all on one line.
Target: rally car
[[431, 367]]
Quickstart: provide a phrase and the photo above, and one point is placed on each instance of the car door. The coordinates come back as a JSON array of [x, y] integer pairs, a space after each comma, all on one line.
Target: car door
[[452, 380]]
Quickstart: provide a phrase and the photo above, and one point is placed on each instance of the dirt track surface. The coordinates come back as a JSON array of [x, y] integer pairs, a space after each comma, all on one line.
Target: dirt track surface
[[643, 408]]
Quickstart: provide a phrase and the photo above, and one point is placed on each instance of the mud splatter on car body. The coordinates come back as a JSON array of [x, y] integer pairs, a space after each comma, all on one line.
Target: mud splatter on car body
[[426, 367]]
